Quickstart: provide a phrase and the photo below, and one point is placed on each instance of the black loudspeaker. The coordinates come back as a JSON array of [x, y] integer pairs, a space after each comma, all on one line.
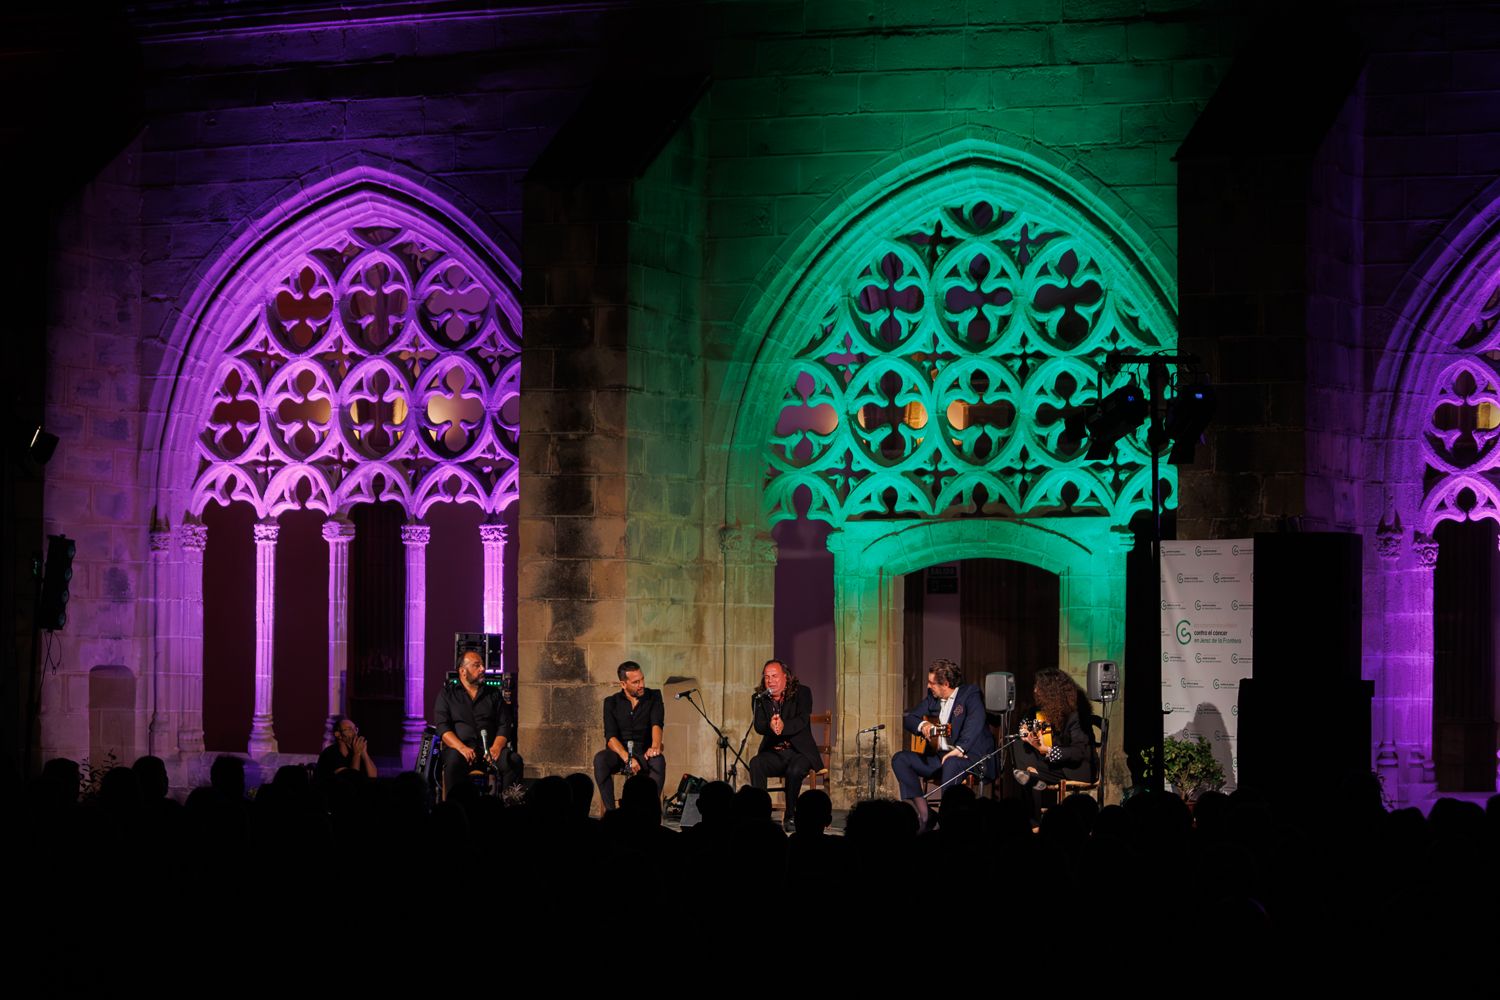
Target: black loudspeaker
[[1307, 607], [687, 791], [52, 609], [1000, 691], [1104, 680], [690, 814], [1306, 662]]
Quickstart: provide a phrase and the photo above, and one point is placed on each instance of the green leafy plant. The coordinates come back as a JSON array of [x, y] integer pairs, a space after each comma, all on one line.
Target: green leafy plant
[[91, 776], [1191, 768]]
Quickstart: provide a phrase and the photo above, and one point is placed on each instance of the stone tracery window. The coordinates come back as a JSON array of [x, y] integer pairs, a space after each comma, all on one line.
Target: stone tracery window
[[382, 365], [938, 376], [1461, 442]]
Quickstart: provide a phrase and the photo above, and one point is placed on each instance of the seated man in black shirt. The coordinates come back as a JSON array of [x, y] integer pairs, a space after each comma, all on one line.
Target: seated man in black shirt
[[347, 752], [464, 711], [632, 734]]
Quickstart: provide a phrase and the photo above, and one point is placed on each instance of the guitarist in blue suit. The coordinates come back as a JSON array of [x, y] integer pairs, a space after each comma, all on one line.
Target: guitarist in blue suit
[[953, 704]]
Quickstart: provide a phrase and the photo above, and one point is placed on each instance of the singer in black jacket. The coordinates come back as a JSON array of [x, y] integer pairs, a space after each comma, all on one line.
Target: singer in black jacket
[[783, 708]]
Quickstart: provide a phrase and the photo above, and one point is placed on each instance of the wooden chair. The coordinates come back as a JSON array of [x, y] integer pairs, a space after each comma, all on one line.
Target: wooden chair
[[1068, 785], [819, 777]]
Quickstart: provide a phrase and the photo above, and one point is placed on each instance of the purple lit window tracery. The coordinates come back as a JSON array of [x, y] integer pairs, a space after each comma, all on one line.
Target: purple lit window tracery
[[383, 364], [1461, 442]]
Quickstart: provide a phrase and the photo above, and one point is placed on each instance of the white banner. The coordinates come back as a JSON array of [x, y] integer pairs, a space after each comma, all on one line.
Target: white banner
[[1207, 641]]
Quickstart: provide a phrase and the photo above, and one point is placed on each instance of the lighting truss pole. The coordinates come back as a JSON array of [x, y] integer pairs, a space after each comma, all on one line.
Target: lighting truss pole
[[1157, 379]]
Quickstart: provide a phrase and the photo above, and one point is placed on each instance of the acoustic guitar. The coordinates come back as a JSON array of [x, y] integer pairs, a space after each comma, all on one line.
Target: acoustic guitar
[[1039, 726], [937, 730]]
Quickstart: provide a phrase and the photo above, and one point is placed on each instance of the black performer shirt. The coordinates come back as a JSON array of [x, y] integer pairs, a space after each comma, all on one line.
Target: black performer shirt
[[455, 713], [624, 723]]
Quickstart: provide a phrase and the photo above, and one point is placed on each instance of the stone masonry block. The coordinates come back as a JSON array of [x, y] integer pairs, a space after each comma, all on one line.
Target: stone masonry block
[[791, 56], [817, 95], [568, 747], [899, 91], [779, 136], [561, 662], [1126, 83], [1079, 126], [1042, 86], [1157, 122], [577, 705], [1008, 47], [1088, 43], [849, 133], [939, 50]]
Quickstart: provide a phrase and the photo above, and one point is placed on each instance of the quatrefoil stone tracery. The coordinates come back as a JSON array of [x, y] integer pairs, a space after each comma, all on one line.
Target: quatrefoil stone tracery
[[378, 366], [939, 375], [1461, 438]]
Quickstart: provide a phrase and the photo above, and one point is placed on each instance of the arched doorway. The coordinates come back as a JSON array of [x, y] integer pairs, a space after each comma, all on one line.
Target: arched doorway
[[987, 615]]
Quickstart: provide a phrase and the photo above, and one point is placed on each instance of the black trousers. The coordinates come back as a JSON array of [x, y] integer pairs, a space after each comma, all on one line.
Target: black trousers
[[456, 769], [607, 763], [785, 763]]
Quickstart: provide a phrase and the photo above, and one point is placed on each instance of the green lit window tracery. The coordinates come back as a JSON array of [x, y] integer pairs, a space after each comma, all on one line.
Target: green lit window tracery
[[937, 379]]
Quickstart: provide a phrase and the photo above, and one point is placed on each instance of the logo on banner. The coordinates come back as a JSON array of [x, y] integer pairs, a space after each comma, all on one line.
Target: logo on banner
[[1184, 632]]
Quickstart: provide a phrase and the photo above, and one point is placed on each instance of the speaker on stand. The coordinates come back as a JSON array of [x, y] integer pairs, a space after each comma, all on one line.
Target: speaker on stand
[[1000, 699], [1103, 687]]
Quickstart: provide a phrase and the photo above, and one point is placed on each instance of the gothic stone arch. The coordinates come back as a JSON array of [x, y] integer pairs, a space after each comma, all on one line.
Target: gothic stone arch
[[910, 388], [358, 343], [1433, 455]]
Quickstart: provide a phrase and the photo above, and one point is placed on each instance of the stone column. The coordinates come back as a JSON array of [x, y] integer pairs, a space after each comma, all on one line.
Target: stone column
[[492, 536], [187, 645], [164, 605], [415, 537], [1388, 546], [1414, 704], [338, 533], [262, 731]]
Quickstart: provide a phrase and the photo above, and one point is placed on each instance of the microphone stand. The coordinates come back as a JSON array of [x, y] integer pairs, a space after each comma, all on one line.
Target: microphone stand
[[724, 747], [1001, 748]]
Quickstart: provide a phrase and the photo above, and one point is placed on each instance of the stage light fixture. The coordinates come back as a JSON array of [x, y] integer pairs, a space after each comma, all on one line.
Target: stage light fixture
[[41, 446], [1115, 416], [1187, 415]]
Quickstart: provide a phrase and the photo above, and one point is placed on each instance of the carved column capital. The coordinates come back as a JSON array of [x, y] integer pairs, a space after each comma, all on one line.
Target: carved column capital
[[1388, 541], [492, 534], [335, 530], [193, 537], [266, 532], [1426, 548], [416, 534]]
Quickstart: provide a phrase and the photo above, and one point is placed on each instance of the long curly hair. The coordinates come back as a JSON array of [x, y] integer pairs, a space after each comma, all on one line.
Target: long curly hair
[[792, 684], [1057, 696]]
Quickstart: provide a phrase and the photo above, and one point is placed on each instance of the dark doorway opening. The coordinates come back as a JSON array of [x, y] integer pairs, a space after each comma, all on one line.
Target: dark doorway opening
[[1466, 613]]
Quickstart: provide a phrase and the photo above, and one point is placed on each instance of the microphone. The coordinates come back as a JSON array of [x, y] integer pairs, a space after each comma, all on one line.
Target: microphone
[[872, 729], [484, 745], [683, 694]]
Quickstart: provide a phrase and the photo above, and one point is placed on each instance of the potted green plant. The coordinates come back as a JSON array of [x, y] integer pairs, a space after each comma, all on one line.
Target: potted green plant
[[1191, 768]]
